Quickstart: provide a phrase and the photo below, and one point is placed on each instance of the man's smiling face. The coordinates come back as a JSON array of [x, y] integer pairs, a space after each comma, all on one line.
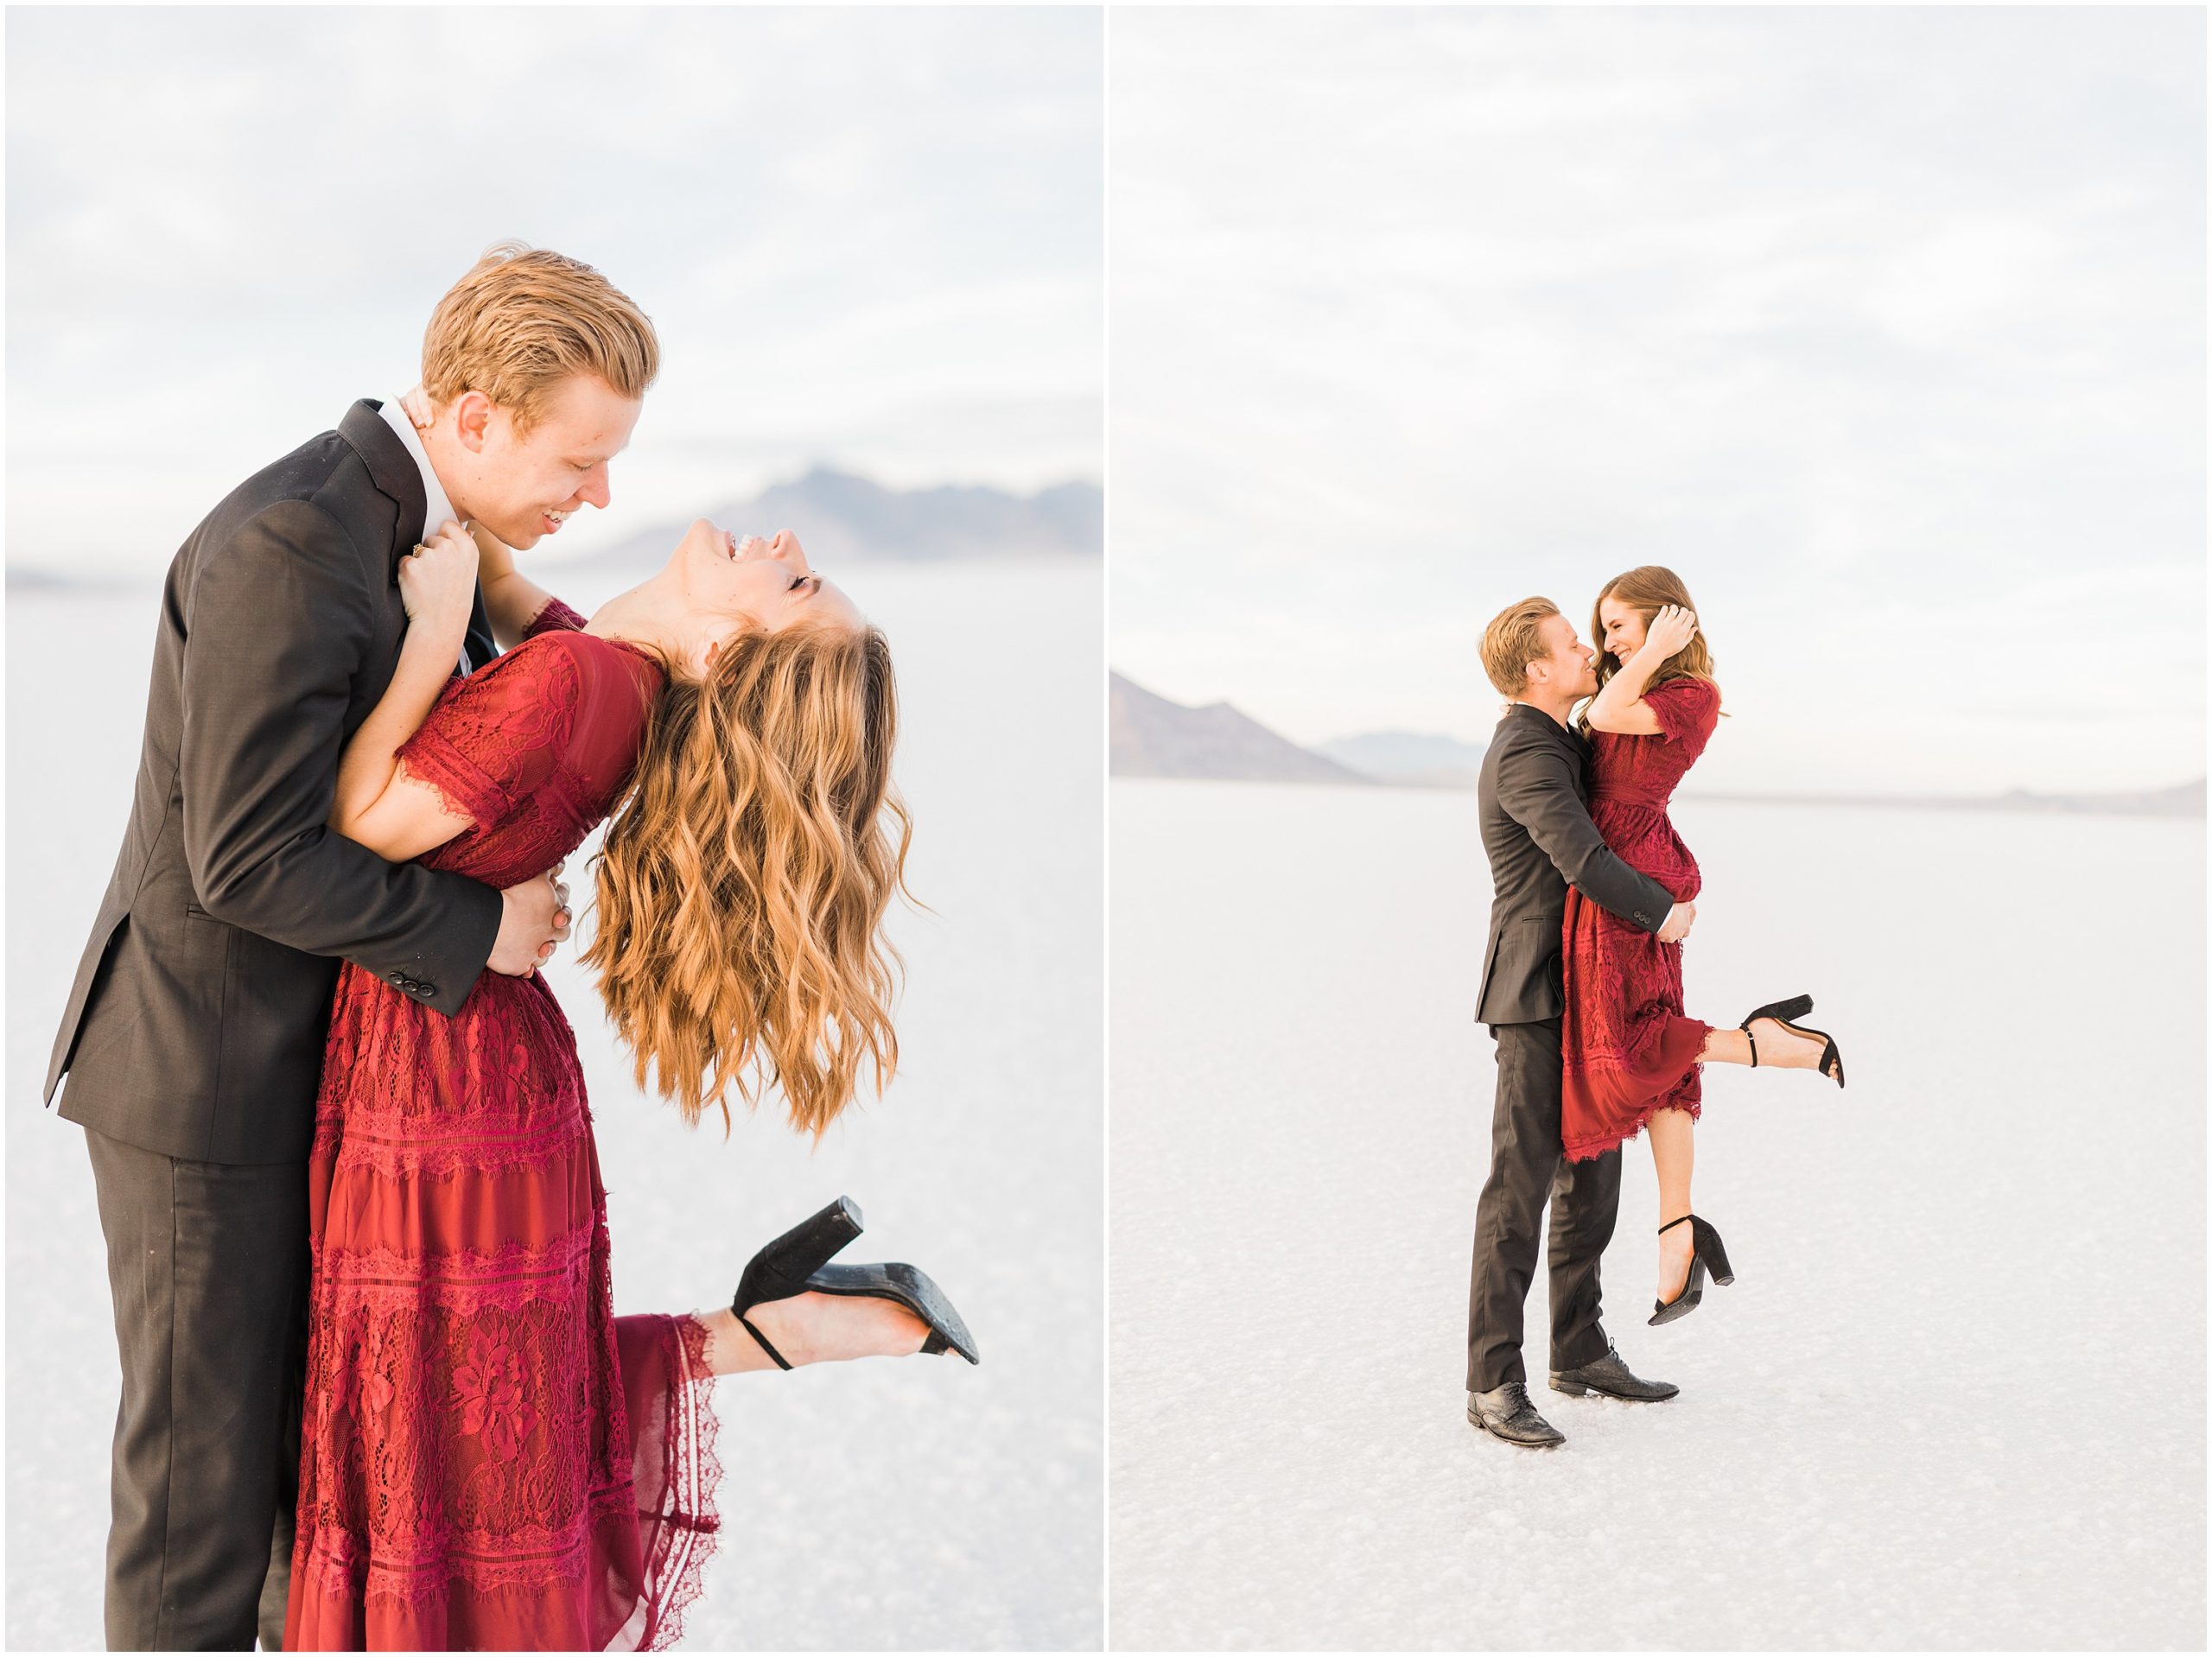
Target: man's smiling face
[[1569, 666], [522, 487]]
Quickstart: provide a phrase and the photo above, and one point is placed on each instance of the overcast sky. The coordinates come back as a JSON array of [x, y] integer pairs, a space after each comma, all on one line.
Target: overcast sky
[[1885, 328], [870, 237]]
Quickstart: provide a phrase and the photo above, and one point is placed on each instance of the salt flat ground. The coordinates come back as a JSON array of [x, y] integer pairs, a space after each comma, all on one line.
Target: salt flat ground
[[912, 1504], [1956, 1398]]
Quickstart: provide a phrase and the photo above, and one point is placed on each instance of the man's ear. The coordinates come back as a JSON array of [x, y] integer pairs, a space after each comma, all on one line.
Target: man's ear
[[473, 419]]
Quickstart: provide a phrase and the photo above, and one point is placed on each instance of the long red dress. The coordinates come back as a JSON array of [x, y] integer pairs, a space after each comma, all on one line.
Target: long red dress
[[489, 1458], [1627, 1049]]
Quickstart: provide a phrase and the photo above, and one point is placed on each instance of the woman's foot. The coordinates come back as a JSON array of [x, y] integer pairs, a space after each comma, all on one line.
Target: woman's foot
[[814, 1328], [1707, 1259], [796, 1268], [1782, 1047], [1676, 1247]]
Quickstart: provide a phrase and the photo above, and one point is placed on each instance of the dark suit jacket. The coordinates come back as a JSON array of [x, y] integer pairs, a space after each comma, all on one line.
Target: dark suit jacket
[[196, 1025], [1537, 830]]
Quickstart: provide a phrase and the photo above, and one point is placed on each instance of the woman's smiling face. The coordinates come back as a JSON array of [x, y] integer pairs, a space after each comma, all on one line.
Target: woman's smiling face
[[1624, 628], [767, 584]]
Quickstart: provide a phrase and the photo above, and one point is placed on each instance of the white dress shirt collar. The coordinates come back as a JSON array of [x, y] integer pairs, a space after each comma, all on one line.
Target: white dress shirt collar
[[437, 507]]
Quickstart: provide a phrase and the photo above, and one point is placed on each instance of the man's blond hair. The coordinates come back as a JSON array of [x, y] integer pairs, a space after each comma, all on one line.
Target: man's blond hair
[[523, 321], [1513, 639]]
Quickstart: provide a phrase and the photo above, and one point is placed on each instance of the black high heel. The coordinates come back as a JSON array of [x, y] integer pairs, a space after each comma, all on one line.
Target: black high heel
[[1782, 1013], [1706, 1254], [799, 1261]]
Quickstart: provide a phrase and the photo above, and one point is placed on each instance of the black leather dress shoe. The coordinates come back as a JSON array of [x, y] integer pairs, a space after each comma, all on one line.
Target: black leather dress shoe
[[1613, 1378], [1505, 1412]]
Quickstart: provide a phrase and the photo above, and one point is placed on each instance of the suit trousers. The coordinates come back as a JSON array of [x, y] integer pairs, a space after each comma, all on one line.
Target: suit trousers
[[208, 1263], [1526, 1160]]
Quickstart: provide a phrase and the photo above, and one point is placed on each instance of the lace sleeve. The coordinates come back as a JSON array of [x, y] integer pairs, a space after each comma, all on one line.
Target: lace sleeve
[[556, 617], [1686, 709], [496, 735]]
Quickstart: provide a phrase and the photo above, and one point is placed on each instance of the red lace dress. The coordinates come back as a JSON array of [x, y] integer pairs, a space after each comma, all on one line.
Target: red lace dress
[[489, 1458], [1627, 1048]]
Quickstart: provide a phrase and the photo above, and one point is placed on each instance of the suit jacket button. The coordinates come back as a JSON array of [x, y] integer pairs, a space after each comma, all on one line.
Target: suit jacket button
[[427, 989]]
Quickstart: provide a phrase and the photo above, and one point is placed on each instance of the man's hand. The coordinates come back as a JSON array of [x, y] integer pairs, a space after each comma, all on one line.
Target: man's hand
[[563, 917], [534, 918], [1678, 923], [416, 406]]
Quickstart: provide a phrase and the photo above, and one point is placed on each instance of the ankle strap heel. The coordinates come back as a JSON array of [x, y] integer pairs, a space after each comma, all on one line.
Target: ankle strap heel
[[1783, 1013], [798, 1263], [1707, 1257]]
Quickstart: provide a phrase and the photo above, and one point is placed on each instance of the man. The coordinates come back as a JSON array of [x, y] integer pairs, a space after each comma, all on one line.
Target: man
[[194, 1034], [1537, 831]]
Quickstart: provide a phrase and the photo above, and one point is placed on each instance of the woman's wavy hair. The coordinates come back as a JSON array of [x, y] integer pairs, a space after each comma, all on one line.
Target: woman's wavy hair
[[745, 876], [1645, 589]]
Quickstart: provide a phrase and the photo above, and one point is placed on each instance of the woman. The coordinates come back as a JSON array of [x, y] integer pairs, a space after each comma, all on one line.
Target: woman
[[1631, 1058], [489, 1458]]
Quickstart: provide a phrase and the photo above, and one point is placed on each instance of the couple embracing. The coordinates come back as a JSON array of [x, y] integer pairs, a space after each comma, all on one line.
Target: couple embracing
[[374, 1393], [1582, 983]]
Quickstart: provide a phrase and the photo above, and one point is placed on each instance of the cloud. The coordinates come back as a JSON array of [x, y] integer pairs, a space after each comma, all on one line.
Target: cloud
[[1869, 322], [225, 224]]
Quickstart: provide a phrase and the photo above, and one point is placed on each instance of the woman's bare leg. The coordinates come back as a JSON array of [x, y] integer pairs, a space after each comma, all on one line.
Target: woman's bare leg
[[813, 1329], [1673, 1152]]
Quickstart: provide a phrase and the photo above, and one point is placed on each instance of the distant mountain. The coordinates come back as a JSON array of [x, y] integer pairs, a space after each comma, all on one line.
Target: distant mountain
[[22, 580], [31, 581], [2182, 800], [838, 516], [1151, 736], [1409, 759]]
